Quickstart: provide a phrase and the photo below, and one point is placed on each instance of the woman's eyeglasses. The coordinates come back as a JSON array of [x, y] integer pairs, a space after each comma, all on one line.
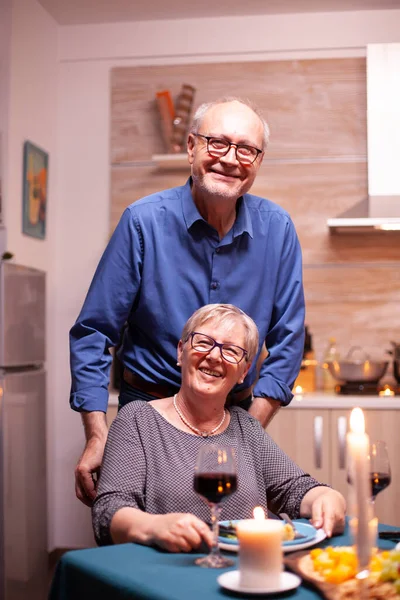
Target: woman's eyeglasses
[[205, 343]]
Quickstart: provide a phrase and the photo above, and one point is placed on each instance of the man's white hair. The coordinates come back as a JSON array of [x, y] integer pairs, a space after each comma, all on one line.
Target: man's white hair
[[205, 107]]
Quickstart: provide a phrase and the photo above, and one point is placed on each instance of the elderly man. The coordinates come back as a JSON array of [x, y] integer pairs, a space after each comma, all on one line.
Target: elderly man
[[209, 241]]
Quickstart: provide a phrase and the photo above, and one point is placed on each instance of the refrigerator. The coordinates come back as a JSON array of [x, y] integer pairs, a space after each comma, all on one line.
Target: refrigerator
[[23, 496]]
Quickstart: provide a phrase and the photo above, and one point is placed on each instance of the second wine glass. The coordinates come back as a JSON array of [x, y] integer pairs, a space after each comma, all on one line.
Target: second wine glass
[[215, 478], [379, 468]]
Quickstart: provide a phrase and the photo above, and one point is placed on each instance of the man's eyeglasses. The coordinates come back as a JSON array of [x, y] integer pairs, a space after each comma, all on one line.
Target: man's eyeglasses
[[205, 343], [218, 147]]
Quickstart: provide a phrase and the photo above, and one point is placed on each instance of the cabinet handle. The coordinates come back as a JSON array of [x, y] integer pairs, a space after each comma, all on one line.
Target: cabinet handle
[[318, 433], [341, 436]]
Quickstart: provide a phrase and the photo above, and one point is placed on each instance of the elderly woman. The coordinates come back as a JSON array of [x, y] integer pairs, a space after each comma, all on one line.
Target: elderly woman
[[145, 493]]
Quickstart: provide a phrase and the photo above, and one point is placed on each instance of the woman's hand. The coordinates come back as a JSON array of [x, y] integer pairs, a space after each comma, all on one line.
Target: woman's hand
[[175, 532], [326, 509], [180, 532]]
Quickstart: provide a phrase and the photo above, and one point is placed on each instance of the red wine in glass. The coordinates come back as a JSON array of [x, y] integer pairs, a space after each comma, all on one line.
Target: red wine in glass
[[215, 478], [379, 481], [214, 487]]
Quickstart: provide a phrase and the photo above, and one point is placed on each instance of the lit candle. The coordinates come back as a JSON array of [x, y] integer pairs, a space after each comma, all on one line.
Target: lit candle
[[386, 392], [260, 551], [358, 450], [298, 392]]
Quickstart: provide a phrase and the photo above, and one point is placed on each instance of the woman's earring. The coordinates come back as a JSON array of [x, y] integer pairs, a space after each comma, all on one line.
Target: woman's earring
[[178, 364]]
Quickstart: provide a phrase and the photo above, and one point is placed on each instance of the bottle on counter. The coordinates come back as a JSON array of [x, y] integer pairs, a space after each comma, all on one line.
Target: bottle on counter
[[307, 375], [331, 354]]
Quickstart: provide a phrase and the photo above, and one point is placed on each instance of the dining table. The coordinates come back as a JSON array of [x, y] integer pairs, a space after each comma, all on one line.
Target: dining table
[[134, 571]]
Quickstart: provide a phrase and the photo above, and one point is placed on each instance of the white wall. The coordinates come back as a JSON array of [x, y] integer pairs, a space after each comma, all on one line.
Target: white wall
[[5, 53], [228, 36], [33, 68], [32, 116], [82, 230], [86, 56]]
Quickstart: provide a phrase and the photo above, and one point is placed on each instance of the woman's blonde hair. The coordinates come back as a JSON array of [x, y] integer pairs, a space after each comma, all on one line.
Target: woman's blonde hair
[[224, 313]]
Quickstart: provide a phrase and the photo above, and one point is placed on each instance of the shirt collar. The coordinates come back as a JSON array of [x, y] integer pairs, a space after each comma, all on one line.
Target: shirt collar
[[191, 214]]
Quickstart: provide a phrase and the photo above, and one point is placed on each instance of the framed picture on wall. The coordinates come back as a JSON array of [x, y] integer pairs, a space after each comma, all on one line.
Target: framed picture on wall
[[35, 183]]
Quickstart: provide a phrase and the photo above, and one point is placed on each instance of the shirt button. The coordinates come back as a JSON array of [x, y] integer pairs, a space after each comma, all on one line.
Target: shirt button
[[217, 250], [214, 285]]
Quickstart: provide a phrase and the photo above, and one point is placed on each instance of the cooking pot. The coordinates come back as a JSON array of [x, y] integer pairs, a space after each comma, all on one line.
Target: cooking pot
[[361, 370]]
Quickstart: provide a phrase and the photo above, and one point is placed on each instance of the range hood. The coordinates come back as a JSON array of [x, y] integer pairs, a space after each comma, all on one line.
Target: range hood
[[381, 210]]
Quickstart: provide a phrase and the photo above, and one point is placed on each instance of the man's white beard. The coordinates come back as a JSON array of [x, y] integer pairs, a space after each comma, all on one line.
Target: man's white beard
[[214, 188]]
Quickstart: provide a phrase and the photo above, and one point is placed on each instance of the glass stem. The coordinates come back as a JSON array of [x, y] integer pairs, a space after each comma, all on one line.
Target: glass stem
[[215, 512]]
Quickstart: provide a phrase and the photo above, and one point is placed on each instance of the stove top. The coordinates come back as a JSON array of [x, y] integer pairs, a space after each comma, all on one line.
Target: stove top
[[362, 389]]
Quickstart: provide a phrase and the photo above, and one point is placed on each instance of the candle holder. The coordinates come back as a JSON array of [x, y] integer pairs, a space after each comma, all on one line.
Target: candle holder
[[364, 549], [363, 524]]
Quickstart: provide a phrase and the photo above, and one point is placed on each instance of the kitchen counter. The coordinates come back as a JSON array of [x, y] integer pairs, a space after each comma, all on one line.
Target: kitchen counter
[[327, 400], [332, 400]]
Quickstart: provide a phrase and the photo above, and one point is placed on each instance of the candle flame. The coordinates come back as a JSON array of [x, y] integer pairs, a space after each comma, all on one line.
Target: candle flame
[[298, 389], [357, 422], [258, 513], [387, 391]]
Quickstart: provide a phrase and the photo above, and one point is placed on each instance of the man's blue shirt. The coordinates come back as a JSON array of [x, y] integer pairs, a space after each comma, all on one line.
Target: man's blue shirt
[[163, 262]]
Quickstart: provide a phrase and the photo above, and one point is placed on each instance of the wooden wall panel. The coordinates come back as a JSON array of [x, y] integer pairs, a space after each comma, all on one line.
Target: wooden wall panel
[[311, 193], [365, 324], [129, 183], [351, 284], [315, 167], [358, 304], [315, 108]]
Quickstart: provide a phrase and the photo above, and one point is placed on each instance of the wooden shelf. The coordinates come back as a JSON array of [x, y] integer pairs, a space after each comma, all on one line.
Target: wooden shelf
[[171, 162]]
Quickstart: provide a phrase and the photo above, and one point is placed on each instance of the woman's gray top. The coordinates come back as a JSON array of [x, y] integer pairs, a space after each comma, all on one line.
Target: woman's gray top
[[149, 464]]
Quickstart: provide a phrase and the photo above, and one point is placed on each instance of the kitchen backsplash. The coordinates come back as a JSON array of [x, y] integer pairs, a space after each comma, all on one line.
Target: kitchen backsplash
[[315, 167]]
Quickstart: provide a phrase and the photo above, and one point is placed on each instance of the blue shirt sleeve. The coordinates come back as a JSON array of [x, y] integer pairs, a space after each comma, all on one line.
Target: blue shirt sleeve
[[285, 337], [105, 310]]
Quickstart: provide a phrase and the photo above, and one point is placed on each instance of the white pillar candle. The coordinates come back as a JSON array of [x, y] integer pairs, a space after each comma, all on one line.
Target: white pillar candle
[[260, 551], [372, 530], [358, 450]]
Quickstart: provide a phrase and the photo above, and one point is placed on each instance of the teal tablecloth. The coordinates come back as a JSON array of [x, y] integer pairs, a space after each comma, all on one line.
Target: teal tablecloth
[[138, 572]]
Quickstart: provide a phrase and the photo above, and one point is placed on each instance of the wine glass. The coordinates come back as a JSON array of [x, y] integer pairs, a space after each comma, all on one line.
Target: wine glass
[[215, 478], [379, 468]]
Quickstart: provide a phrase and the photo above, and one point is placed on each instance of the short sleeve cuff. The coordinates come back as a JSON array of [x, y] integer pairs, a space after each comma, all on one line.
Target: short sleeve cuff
[[89, 399], [268, 387]]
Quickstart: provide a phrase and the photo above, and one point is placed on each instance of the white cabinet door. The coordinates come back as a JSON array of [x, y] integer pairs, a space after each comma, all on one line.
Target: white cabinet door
[[316, 441], [338, 450], [304, 434]]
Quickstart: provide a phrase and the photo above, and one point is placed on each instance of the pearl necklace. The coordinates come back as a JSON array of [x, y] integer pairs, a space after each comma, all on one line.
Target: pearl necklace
[[203, 434]]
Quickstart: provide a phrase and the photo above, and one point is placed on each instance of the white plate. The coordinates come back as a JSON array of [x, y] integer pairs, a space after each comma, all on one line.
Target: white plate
[[230, 581], [321, 535]]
